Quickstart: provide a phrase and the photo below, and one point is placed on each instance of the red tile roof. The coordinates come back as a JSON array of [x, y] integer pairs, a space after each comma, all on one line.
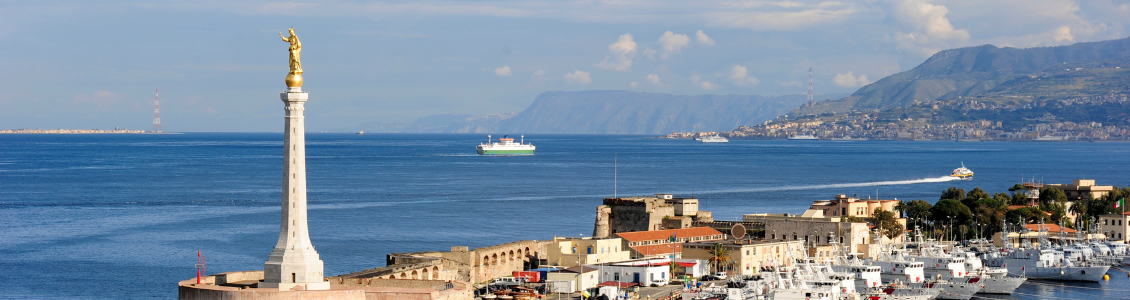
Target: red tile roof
[[1049, 227], [665, 234], [650, 250]]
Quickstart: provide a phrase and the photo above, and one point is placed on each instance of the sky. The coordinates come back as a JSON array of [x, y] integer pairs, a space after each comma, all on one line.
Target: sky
[[220, 65]]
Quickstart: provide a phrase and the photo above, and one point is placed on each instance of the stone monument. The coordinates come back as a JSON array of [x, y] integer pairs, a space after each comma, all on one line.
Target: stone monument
[[294, 262]]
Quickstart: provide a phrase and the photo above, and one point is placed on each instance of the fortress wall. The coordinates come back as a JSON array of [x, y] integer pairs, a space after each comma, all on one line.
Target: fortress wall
[[481, 264]]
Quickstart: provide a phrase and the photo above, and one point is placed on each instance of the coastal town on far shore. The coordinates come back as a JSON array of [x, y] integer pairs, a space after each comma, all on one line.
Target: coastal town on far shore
[[71, 131], [965, 119]]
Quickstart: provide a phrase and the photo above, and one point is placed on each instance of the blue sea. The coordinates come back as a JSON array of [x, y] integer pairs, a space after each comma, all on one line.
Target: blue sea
[[123, 216]]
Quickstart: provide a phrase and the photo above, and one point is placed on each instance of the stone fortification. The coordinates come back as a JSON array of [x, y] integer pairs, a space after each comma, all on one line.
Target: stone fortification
[[424, 268], [243, 286], [479, 264], [663, 211]]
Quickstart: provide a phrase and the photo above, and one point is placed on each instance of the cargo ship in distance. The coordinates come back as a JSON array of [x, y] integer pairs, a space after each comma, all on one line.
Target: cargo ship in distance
[[505, 146]]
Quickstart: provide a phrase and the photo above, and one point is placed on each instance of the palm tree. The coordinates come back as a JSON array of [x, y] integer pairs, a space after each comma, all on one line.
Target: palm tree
[[901, 207], [676, 269], [720, 254]]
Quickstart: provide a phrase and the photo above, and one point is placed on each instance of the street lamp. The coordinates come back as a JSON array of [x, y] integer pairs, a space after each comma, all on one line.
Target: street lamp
[[951, 228]]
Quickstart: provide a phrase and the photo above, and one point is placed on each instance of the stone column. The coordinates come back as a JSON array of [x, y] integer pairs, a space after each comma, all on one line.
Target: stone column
[[293, 262]]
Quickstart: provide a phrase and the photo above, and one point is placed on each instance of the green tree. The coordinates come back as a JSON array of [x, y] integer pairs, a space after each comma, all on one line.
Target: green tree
[[1050, 194], [852, 219], [1026, 215], [676, 268], [951, 208], [973, 196], [1004, 199], [1057, 209], [918, 210], [953, 193], [887, 223], [720, 254]]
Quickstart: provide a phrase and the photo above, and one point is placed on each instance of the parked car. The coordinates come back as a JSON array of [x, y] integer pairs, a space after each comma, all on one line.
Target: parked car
[[720, 275]]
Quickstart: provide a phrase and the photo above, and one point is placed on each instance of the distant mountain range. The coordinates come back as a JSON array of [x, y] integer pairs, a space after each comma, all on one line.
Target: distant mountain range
[[613, 112], [977, 71]]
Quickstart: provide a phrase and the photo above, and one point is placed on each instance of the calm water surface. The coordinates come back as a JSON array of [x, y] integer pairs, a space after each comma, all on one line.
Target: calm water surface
[[122, 216]]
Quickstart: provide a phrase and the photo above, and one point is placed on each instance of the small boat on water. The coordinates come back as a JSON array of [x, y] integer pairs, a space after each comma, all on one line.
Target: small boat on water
[[804, 137], [962, 172], [714, 139], [360, 132], [505, 146]]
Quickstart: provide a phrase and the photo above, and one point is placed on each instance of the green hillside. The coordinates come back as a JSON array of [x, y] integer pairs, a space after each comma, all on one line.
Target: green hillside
[[992, 72]]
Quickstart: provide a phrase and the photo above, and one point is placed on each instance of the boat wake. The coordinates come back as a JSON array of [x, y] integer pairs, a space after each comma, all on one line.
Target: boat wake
[[827, 186]]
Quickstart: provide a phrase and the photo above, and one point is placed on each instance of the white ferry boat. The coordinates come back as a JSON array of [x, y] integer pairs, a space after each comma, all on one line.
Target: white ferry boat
[[962, 172], [804, 137], [505, 146], [714, 139]]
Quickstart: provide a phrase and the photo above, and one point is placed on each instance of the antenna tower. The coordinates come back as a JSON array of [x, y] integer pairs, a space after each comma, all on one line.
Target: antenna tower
[[810, 86], [157, 110]]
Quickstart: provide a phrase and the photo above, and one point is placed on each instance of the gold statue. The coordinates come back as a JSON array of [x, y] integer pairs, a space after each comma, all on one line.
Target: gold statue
[[294, 78]]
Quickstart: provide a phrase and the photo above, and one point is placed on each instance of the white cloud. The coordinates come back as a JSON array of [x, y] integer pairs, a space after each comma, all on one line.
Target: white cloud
[[930, 29], [634, 84], [706, 85], [703, 38], [654, 79], [620, 55], [503, 71], [578, 77], [673, 43], [850, 80], [650, 53], [787, 16], [740, 76], [538, 75]]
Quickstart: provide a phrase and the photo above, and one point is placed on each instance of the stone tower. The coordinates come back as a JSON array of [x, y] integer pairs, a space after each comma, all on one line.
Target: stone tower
[[293, 262]]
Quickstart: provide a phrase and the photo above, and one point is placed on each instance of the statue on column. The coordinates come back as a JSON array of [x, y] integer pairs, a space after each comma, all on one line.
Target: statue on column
[[294, 78]]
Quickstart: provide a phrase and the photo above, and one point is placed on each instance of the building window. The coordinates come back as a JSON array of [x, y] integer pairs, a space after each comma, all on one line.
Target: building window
[[774, 236]]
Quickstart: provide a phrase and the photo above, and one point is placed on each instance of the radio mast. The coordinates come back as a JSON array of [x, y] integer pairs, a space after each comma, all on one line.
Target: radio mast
[[157, 110], [810, 86]]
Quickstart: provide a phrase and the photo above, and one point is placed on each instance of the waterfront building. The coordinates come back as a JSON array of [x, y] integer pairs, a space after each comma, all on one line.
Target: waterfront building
[[1116, 227], [842, 206], [814, 229], [663, 211], [568, 252], [747, 257], [642, 271], [578, 278], [658, 243], [1081, 189]]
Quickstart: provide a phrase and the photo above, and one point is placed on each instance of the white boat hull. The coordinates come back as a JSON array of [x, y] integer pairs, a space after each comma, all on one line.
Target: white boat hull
[[1094, 274], [1000, 285]]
